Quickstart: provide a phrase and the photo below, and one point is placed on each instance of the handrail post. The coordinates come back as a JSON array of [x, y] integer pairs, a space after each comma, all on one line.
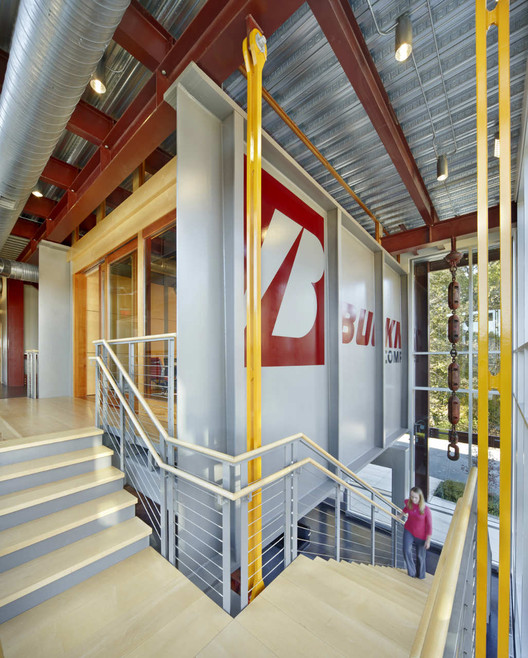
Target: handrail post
[[122, 427], [394, 545], [294, 505], [105, 390], [163, 500], [170, 386], [226, 541], [337, 519], [244, 542], [372, 531], [131, 366], [288, 500], [98, 384]]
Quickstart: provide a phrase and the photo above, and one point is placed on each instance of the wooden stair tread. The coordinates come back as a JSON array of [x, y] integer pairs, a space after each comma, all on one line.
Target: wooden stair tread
[[363, 575], [20, 469], [18, 500], [183, 631], [31, 532], [404, 585], [48, 438], [235, 640], [401, 575], [280, 633], [84, 615], [337, 627], [399, 623], [33, 575]]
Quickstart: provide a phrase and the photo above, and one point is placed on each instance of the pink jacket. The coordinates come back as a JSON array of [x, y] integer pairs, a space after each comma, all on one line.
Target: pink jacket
[[419, 525]]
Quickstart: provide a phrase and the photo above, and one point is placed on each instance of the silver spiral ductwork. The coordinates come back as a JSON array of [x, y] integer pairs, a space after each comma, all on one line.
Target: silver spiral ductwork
[[12, 269], [55, 48]]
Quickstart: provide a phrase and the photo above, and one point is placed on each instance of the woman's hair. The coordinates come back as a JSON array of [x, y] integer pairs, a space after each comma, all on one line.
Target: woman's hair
[[421, 502]]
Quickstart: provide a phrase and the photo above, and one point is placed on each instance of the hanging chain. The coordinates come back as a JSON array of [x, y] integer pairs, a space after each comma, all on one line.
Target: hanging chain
[[453, 333]]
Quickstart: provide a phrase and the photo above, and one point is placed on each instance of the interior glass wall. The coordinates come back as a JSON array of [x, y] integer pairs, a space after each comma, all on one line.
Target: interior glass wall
[[160, 278]]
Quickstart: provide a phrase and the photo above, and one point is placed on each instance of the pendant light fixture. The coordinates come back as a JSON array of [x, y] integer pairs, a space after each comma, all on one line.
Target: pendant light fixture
[[98, 79], [403, 43], [442, 171]]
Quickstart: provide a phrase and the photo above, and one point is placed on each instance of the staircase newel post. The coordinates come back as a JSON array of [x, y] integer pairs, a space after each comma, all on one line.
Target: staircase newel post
[[372, 531]]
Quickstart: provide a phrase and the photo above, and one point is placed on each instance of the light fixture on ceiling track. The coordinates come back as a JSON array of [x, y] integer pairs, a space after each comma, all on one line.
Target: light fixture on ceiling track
[[403, 39], [37, 192], [496, 146], [98, 79], [442, 171]]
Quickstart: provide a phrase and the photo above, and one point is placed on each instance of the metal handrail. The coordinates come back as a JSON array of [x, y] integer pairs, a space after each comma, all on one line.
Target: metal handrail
[[246, 456], [135, 339], [213, 488], [431, 635]]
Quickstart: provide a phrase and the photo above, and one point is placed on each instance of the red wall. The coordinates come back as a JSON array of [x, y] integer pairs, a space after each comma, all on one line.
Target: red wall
[[15, 333]]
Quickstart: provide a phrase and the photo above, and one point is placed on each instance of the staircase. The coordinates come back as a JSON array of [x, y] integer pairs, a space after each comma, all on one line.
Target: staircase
[[326, 608], [77, 577], [64, 516]]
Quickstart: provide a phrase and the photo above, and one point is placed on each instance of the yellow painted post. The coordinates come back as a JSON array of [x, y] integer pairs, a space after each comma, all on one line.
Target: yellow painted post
[[505, 388], [481, 20], [254, 49]]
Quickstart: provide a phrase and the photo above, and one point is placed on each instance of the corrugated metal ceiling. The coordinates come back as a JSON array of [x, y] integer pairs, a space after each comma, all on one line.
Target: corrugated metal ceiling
[[304, 76]]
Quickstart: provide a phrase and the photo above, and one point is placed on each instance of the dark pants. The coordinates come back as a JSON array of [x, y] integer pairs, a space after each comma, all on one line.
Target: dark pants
[[413, 570]]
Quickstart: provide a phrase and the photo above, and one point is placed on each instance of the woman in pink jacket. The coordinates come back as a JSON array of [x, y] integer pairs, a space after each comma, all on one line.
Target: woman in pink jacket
[[417, 530]]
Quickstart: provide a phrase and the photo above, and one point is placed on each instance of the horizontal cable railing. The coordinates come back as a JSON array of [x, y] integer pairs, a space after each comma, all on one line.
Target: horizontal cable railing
[[195, 515]]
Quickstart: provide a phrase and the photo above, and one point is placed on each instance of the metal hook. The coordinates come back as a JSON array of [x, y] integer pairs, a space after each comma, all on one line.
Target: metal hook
[[453, 456]]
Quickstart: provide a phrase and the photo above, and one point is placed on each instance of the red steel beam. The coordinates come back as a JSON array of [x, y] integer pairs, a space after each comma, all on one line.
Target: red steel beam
[[149, 120], [63, 175], [39, 206], [90, 123], [24, 228], [59, 173], [143, 37], [419, 238], [344, 36]]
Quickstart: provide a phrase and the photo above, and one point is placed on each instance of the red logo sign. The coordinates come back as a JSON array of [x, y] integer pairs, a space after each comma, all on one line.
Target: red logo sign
[[293, 264]]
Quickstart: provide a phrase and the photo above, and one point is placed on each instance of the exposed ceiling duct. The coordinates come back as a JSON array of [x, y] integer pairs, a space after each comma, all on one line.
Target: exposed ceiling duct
[[11, 269], [55, 48]]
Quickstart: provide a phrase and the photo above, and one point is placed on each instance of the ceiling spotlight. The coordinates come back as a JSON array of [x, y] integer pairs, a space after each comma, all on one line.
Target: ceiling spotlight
[[98, 79], [496, 146], [441, 168], [36, 192], [403, 45]]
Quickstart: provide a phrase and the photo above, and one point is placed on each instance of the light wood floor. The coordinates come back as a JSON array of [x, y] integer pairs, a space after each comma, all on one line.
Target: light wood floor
[[26, 417]]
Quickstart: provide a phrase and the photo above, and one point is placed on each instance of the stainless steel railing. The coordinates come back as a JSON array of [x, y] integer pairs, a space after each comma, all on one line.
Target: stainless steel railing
[[201, 524]]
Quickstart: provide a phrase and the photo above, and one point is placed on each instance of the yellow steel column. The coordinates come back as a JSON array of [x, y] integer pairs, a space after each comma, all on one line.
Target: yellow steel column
[[481, 24], [499, 16], [254, 49], [505, 380]]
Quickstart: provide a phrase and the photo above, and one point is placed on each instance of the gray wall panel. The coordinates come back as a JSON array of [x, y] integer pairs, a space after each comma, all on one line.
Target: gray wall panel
[[55, 368]]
